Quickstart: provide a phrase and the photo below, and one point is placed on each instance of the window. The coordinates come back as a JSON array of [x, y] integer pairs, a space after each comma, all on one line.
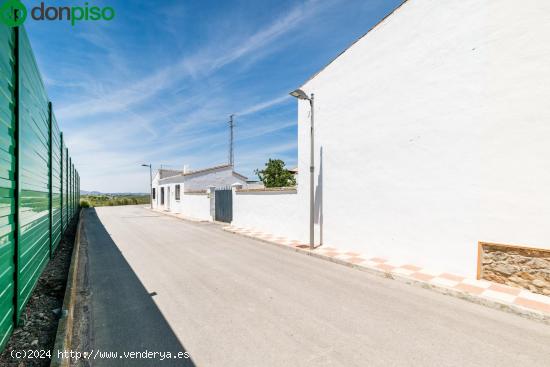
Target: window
[[154, 193], [178, 192], [162, 196]]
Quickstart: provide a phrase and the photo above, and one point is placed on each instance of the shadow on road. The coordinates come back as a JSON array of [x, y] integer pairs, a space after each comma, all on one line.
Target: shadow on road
[[121, 314]]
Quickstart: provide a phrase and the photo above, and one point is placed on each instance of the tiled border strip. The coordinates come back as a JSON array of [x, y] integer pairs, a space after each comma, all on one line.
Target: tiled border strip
[[498, 296]]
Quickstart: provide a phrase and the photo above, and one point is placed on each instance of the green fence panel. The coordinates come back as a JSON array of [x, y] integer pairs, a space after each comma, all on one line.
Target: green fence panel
[[34, 174], [38, 181], [7, 181], [69, 211], [71, 188], [56, 184], [66, 188], [73, 195], [71, 178], [62, 184], [75, 199]]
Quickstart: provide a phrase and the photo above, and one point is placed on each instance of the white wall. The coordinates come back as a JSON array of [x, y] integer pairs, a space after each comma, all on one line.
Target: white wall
[[196, 206], [434, 130], [170, 201], [221, 177], [156, 198], [273, 212]]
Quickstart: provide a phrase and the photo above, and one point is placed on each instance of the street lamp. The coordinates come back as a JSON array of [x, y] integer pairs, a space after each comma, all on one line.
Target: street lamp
[[150, 181], [300, 94]]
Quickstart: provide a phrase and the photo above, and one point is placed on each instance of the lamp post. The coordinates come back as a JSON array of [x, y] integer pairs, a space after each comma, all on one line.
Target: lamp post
[[150, 181], [300, 94]]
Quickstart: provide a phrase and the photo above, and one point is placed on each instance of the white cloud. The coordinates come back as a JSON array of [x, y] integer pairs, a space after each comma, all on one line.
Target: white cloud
[[206, 61], [264, 105], [177, 114]]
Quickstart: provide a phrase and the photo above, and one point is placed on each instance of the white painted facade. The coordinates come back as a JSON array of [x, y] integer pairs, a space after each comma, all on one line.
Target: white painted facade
[[270, 211], [195, 206], [432, 133], [193, 200]]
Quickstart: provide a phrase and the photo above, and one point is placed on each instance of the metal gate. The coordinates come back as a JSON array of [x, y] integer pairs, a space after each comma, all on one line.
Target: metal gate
[[224, 205]]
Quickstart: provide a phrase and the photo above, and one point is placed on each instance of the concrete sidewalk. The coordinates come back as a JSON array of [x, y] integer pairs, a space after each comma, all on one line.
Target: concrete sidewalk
[[159, 283]]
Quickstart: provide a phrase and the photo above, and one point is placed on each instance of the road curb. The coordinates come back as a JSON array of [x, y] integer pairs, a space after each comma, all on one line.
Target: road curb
[[494, 304], [63, 338]]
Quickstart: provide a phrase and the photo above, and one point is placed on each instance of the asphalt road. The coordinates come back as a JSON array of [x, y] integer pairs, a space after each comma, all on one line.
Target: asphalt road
[[161, 284]]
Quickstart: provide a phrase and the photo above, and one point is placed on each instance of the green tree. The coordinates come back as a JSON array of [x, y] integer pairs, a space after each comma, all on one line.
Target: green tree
[[276, 175]]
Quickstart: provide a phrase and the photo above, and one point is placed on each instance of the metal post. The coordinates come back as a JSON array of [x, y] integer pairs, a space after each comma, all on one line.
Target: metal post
[[300, 94], [231, 154], [62, 188], [151, 184], [311, 178], [17, 169], [50, 178], [150, 165]]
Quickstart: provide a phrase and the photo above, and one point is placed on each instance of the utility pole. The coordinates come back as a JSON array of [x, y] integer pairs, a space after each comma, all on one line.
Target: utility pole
[[231, 154], [311, 174], [150, 165], [300, 94]]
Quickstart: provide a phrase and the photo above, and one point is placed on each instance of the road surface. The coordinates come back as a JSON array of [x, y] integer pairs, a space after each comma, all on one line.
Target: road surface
[[158, 283]]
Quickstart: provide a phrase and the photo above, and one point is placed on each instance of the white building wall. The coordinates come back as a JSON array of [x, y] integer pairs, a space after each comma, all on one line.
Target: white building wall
[[432, 134], [156, 193], [222, 177], [196, 206], [170, 202], [270, 211], [192, 205], [175, 205]]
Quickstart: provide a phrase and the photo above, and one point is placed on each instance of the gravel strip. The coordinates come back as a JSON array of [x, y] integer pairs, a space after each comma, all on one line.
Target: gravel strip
[[35, 336]]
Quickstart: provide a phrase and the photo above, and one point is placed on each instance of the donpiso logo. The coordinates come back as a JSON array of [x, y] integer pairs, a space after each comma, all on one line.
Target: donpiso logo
[[13, 13]]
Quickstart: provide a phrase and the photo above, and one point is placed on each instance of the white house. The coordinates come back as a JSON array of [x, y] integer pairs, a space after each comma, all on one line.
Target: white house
[[432, 133], [185, 191]]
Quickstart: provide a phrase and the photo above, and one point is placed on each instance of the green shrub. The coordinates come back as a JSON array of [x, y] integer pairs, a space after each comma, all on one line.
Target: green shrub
[[275, 174], [84, 204], [109, 200]]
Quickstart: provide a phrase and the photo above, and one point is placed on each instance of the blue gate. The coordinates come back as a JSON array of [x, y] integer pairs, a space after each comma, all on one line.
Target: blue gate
[[224, 205]]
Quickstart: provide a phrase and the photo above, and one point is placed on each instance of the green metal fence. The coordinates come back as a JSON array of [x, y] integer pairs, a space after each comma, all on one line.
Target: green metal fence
[[39, 185]]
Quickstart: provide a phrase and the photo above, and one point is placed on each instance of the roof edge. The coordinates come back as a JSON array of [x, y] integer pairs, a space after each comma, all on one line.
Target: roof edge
[[353, 43]]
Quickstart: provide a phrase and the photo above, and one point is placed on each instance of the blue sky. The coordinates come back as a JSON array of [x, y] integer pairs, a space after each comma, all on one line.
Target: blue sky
[[158, 83]]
